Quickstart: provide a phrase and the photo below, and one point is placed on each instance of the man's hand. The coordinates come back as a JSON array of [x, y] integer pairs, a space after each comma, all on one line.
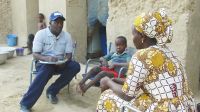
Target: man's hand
[[104, 83], [51, 59]]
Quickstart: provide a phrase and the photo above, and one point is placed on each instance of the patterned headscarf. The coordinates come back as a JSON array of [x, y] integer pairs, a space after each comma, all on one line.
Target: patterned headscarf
[[155, 25]]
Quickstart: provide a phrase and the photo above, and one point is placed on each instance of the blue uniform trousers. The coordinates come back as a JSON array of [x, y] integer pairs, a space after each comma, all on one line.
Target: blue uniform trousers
[[44, 73]]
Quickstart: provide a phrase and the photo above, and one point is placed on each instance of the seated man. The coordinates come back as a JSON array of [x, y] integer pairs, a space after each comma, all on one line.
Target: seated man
[[49, 44]]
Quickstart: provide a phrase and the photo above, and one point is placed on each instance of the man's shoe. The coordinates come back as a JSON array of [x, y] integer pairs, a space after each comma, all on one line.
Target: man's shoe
[[52, 99], [24, 109]]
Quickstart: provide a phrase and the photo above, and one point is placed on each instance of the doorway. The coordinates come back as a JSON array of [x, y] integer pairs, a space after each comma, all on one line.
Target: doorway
[[96, 37]]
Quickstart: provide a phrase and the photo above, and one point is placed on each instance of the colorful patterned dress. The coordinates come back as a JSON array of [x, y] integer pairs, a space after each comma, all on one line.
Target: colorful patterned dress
[[157, 80]]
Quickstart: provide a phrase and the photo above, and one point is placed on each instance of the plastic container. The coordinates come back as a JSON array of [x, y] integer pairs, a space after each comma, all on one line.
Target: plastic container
[[3, 57], [10, 50], [20, 51], [11, 40]]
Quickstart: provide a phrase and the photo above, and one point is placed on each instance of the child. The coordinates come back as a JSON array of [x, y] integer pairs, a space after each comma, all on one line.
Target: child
[[118, 59], [41, 23], [29, 43]]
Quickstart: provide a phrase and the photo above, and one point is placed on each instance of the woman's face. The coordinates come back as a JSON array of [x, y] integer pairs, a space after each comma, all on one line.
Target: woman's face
[[137, 39]]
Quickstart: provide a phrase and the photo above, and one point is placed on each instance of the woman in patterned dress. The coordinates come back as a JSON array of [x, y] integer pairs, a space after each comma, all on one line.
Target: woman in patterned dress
[[156, 81]]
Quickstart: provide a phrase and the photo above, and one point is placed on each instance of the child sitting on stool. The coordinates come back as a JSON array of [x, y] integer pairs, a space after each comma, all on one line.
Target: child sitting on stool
[[117, 59]]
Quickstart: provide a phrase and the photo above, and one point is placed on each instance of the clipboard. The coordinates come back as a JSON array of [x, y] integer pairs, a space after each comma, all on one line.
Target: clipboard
[[56, 63]]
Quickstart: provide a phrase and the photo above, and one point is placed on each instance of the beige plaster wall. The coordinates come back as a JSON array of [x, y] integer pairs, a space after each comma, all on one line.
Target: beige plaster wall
[[5, 20], [32, 9], [24, 19], [18, 17], [76, 12], [123, 12], [19, 20], [193, 49], [48, 6]]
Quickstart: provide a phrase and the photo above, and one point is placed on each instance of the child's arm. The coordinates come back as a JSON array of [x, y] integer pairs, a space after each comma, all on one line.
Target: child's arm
[[112, 65], [103, 61], [121, 64]]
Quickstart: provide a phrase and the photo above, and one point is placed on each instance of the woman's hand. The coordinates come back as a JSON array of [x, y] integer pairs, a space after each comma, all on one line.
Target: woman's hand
[[104, 83], [119, 80]]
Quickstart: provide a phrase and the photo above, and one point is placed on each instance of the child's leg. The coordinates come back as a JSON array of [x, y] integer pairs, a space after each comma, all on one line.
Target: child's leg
[[119, 80], [29, 47], [97, 78], [30, 42], [93, 72]]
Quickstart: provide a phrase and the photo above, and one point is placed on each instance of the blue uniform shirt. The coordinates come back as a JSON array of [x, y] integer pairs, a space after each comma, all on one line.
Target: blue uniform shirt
[[48, 44]]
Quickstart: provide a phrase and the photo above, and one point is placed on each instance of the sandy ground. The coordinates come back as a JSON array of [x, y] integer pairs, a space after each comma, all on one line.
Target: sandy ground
[[14, 82]]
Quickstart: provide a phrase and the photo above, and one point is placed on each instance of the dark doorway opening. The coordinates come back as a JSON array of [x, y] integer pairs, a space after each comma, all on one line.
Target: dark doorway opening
[[96, 36]]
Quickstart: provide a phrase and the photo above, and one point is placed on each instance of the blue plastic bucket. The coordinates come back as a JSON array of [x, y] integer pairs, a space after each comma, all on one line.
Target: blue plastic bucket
[[11, 40]]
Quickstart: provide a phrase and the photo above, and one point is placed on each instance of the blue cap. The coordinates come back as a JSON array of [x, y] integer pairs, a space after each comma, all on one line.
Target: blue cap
[[56, 15]]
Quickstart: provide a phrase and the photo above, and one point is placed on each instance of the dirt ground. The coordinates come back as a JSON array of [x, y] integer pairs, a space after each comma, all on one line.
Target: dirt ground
[[14, 82]]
